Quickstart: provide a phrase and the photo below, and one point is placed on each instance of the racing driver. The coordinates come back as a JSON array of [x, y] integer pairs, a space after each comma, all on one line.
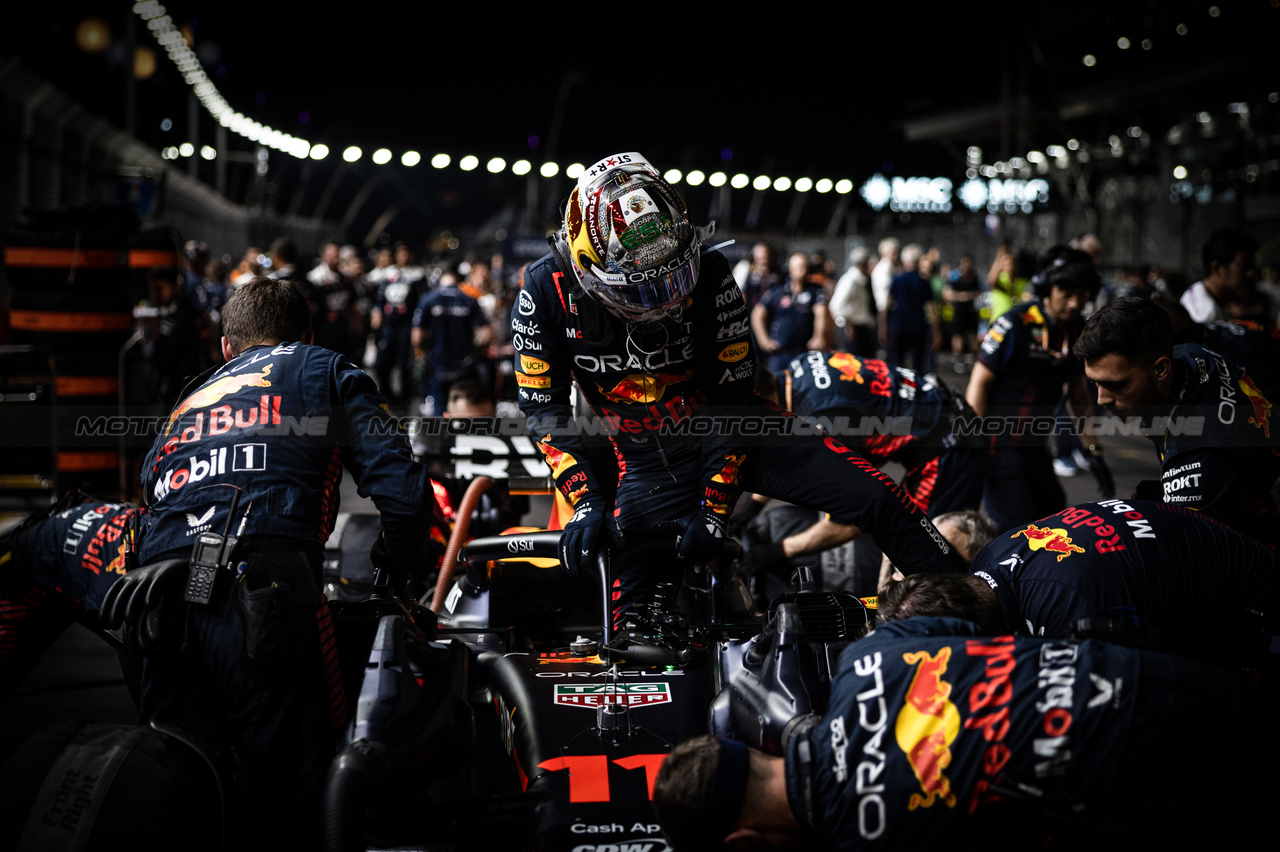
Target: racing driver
[[656, 334]]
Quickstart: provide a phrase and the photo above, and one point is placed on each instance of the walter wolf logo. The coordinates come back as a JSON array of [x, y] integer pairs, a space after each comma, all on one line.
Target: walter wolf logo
[[628, 694]]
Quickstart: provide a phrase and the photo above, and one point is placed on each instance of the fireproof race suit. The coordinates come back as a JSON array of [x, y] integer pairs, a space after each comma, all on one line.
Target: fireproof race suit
[[57, 571], [651, 385], [937, 738], [1251, 345], [1218, 450], [280, 423], [889, 413], [1148, 564]]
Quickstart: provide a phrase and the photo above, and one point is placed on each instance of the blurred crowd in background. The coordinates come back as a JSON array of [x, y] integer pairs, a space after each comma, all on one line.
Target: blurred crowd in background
[[420, 326]]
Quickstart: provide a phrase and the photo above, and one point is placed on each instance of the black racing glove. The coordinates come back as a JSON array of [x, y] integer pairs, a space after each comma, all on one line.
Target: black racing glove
[[764, 558], [147, 607], [391, 571], [580, 540], [1102, 475], [701, 537]]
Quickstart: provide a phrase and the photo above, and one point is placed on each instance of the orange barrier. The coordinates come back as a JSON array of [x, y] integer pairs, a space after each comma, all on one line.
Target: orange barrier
[[69, 321], [54, 258]]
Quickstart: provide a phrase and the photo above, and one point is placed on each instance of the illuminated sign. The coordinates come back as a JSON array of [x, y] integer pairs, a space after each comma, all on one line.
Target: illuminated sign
[[908, 195], [1011, 195], [934, 195]]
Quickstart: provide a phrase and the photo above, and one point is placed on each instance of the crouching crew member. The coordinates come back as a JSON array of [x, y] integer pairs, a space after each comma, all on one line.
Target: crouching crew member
[[937, 736], [1152, 570]]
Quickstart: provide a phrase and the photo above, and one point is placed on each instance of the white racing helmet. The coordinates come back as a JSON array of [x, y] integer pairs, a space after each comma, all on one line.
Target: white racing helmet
[[628, 239]]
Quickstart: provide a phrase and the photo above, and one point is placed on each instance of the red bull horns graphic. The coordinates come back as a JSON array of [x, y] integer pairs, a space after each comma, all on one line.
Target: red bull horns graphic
[[217, 389], [850, 368], [927, 725], [1261, 405], [641, 387], [1052, 539]]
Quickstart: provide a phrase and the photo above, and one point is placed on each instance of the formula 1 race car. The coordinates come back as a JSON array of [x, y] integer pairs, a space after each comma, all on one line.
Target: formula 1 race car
[[556, 725], [507, 713]]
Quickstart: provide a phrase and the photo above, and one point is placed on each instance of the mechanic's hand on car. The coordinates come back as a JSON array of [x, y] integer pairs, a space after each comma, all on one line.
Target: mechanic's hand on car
[[146, 605], [1102, 475], [580, 540], [700, 539]]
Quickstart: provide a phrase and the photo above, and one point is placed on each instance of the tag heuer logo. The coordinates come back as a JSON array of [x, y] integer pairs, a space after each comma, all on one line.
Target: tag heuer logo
[[630, 694]]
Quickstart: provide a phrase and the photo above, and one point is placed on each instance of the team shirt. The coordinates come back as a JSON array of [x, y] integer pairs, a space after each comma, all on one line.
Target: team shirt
[[1148, 564], [884, 412], [280, 423], [1032, 360], [1219, 449], [1251, 345], [926, 718], [791, 314], [452, 318]]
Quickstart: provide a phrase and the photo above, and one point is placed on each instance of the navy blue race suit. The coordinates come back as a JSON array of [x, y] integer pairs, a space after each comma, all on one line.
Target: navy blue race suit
[[916, 412], [931, 729], [1219, 449], [1251, 345], [1150, 564], [650, 385], [1031, 357], [281, 423], [56, 572]]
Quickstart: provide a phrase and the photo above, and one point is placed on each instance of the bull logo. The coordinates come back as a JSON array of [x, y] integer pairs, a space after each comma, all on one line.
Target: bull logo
[[1261, 405], [639, 387], [849, 367], [217, 389], [1053, 540], [927, 725]]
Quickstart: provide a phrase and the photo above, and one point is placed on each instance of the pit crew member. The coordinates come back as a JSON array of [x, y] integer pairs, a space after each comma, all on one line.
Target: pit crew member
[[1152, 567], [55, 570], [913, 416], [279, 421], [1023, 366], [937, 736], [1209, 421]]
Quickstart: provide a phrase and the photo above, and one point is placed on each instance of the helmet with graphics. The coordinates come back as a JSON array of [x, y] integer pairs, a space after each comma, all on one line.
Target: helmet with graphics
[[628, 240]]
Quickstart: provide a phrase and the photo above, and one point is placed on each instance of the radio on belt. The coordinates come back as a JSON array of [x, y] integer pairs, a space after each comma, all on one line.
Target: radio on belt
[[212, 557]]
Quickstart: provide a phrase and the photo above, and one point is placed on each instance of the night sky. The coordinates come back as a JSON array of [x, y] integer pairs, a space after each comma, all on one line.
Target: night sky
[[793, 92]]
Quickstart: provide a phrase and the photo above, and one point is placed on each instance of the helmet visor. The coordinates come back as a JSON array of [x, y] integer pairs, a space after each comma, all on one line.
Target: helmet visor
[[645, 295]]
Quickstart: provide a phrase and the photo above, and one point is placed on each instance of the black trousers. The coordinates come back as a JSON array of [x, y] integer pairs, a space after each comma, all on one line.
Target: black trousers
[[786, 460]]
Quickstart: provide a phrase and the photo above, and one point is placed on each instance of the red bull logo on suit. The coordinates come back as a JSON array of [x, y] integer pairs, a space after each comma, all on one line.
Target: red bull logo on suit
[[1052, 539], [927, 725]]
